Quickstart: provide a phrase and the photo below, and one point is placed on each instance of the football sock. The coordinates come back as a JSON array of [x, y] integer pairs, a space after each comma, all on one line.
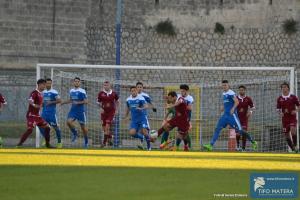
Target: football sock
[[58, 134], [165, 137], [138, 135], [24, 136], [178, 141]]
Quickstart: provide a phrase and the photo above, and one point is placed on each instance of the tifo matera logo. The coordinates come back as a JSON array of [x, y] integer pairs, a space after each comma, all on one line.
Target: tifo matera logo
[[259, 182]]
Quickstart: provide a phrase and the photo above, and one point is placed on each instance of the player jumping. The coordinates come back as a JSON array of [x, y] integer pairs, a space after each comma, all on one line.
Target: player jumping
[[33, 114], [288, 106], [136, 104], [245, 110], [51, 98], [229, 117], [78, 98], [108, 100]]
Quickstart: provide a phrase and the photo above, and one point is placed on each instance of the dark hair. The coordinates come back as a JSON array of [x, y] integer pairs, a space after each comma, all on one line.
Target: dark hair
[[106, 81], [172, 94], [184, 87], [76, 78], [40, 81], [139, 83], [242, 86], [132, 87], [48, 79], [225, 81], [286, 84]]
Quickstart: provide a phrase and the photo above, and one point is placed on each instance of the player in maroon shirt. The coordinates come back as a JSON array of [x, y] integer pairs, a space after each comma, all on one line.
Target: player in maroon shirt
[[180, 120], [244, 109], [288, 106], [33, 114], [2, 102], [108, 101]]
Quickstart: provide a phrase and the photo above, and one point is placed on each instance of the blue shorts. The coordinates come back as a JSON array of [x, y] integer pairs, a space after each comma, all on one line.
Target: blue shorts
[[231, 120], [138, 125], [50, 118], [80, 117]]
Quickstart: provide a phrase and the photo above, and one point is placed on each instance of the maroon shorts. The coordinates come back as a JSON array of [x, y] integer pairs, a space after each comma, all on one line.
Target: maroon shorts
[[33, 121], [182, 124], [287, 124], [107, 118]]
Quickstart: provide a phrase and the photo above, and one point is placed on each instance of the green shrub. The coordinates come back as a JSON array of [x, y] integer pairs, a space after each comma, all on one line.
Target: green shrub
[[165, 28]]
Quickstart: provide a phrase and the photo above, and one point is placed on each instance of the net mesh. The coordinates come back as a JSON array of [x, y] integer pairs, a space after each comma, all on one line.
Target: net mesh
[[262, 86]]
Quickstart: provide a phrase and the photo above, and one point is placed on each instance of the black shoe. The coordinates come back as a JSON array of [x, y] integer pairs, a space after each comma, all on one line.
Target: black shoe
[[50, 146]]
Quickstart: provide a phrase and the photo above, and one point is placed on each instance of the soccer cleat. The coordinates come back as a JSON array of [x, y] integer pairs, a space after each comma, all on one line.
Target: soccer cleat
[[149, 149], [186, 148], [140, 145], [43, 143], [163, 145], [49, 146], [59, 145], [243, 150], [110, 143], [254, 145], [86, 145], [238, 149], [172, 148], [18, 146], [208, 147]]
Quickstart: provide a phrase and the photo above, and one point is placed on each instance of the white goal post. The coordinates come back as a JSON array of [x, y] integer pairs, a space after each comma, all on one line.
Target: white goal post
[[204, 82]]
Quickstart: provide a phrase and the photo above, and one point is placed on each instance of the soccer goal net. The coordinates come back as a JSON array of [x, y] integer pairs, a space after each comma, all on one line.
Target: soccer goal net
[[262, 83]]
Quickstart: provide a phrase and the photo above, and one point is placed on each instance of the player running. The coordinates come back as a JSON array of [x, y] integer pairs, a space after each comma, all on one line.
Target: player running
[[245, 110], [33, 115], [181, 119], [288, 106], [51, 98], [108, 101], [139, 126], [229, 117], [78, 98]]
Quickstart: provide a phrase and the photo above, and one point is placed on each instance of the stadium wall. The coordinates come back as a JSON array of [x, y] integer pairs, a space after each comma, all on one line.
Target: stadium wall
[[76, 31]]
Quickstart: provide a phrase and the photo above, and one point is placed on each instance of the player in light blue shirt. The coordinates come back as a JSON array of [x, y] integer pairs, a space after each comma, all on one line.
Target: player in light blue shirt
[[139, 126], [78, 98], [229, 117], [50, 99], [148, 99]]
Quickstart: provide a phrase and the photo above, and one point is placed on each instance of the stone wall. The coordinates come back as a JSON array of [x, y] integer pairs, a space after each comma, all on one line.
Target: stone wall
[[42, 31], [76, 31]]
